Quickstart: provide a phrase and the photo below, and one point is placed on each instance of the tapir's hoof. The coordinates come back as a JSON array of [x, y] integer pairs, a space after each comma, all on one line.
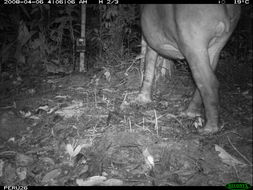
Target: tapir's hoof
[[208, 130], [142, 99]]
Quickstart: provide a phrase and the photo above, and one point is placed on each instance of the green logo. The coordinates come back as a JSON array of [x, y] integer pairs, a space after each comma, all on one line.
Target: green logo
[[238, 186]]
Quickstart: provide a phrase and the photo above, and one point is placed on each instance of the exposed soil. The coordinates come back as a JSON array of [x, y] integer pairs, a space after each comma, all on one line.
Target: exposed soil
[[82, 129]]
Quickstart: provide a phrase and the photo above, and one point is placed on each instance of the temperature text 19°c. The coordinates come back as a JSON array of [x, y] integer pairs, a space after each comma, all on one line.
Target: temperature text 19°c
[[240, 2]]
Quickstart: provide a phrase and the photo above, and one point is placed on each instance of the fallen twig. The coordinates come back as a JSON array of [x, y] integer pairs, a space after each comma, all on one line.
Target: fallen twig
[[244, 157]]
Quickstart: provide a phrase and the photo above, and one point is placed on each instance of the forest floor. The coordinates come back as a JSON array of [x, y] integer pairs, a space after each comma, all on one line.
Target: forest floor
[[82, 129]]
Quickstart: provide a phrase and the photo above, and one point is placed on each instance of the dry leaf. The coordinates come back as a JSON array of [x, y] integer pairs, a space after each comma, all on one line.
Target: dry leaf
[[51, 175], [61, 97], [226, 157], [21, 172], [149, 159], [72, 110], [48, 160], [107, 75], [124, 105], [1, 167], [84, 170], [112, 182], [70, 150], [91, 181], [44, 108], [23, 160], [25, 114]]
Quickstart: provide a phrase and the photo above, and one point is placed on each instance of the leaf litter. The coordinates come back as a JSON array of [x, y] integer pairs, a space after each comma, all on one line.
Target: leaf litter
[[88, 133]]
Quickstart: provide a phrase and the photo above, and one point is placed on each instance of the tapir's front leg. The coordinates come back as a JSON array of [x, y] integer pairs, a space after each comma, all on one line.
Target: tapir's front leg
[[146, 89]]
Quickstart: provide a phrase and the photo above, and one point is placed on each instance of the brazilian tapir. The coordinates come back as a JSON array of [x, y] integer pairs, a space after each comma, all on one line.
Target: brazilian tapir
[[197, 33]]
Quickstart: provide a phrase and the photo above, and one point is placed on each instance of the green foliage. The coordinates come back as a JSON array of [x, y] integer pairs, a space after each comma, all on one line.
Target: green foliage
[[118, 31], [33, 35], [240, 44], [36, 34]]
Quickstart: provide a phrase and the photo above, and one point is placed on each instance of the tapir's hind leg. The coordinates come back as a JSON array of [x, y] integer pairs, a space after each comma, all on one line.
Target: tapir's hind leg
[[145, 92], [207, 84], [194, 107]]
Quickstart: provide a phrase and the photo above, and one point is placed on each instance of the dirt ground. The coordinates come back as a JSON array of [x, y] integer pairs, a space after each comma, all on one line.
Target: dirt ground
[[83, 129]]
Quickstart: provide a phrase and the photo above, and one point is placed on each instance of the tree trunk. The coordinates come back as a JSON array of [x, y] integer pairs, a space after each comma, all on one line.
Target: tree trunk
[[83, 66]]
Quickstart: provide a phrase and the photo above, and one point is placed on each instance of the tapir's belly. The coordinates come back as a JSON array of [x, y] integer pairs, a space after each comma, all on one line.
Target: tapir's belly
[[168, 50]]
